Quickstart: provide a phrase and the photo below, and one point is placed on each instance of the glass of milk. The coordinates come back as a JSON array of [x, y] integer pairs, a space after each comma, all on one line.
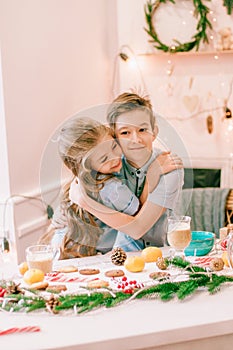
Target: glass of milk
[[179, 233], [41, 256]]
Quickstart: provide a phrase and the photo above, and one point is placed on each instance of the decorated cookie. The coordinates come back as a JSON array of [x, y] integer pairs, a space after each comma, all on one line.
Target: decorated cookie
[[56, 288], [67, 269], [89, 271], [97, 284], [39, 285], [114, 273], [159, 275]]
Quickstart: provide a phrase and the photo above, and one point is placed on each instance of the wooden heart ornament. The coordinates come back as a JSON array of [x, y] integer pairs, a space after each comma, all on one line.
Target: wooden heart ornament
[[191, 102]]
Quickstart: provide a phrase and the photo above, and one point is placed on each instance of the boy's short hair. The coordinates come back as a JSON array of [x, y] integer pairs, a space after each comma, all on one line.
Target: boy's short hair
[[127, 102]]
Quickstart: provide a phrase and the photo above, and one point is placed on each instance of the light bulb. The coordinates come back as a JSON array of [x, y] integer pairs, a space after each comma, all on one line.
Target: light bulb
[[124, 56], [132, 63]]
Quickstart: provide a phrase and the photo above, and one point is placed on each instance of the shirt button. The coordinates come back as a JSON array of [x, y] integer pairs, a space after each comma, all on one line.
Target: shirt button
[[147, 243], [138, 172]]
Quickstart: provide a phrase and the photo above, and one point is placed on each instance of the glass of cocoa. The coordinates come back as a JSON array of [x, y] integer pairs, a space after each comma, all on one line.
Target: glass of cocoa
[[179, 233], [41, 256]]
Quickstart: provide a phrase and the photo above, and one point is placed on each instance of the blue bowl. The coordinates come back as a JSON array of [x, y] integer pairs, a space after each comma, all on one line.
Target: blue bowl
[[201, 244]]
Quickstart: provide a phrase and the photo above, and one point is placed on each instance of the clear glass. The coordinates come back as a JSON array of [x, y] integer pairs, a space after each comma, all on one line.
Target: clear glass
[[179, 233], [41, 257], [230, 245]]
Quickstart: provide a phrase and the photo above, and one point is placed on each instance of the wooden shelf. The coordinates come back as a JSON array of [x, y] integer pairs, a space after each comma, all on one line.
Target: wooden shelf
[[187, 53]]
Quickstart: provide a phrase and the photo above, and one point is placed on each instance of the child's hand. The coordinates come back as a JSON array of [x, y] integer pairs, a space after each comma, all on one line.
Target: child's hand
[[168, 162], [163, 164]]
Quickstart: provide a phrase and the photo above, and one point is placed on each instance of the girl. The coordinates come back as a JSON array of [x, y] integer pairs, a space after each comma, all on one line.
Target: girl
[[89, 150]]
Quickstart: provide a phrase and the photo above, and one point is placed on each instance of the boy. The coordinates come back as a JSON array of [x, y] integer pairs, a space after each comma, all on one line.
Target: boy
[[132, 119]]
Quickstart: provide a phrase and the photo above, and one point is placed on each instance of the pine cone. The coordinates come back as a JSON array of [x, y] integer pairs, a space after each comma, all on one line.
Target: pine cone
[[118, 256], [51, 303], [13, 288], [161, 263]]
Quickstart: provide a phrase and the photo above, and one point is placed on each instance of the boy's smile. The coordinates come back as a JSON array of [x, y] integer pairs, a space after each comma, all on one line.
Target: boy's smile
[[135, 135]]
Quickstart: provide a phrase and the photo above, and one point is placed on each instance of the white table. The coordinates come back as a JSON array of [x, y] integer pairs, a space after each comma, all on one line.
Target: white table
[[199, 322]]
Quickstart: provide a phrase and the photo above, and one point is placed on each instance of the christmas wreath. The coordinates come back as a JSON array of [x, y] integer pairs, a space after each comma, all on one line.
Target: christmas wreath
[[201, 11]]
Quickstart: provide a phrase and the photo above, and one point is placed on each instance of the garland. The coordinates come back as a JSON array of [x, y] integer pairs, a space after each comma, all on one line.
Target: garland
[[229, 6], [80, 303], [201, 11]]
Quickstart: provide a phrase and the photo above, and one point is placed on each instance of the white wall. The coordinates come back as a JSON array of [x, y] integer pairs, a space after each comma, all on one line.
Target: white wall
[[56, 60], [199, 82], [58, 57]]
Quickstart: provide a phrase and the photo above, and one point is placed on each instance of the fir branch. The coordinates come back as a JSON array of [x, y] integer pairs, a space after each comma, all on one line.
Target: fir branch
[[186, 288], [120, 297], [229, 6], [214, 284], [184, 264], [165, 290]]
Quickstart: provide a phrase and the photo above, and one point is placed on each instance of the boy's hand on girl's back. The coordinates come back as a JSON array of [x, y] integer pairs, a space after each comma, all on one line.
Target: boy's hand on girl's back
[[168, 162], [163, 164]]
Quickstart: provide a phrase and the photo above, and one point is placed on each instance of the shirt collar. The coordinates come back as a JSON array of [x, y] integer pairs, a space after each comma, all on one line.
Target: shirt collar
[[139, 172]]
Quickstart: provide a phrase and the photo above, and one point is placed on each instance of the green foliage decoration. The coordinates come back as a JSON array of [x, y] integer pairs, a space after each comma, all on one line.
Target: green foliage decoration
[[200, 12], [83, 302], [229, 6]]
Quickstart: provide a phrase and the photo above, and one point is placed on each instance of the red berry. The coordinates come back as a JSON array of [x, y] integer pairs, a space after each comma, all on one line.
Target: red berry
[[124, 278], [128, 291]]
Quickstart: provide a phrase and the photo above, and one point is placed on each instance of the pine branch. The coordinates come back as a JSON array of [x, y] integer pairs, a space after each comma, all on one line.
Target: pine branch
[[229, 5], [165, 290], [214, 284]]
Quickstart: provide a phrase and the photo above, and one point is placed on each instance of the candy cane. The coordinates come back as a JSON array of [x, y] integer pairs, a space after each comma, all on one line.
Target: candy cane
[[63, 278], [28, 329], [205, 261]]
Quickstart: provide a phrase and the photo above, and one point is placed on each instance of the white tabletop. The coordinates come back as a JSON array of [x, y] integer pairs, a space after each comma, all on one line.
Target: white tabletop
[[201, 321]]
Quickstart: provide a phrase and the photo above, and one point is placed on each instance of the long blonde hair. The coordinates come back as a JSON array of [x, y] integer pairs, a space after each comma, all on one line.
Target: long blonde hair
[[77, 137]]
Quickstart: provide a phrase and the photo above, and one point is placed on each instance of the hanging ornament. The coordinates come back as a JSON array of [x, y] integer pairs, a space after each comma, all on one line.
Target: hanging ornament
[[209, 123], [227, 124]]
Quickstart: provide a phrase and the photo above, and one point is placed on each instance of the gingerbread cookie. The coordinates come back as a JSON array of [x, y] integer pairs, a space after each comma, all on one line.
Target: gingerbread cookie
[[89, 271], [114, 273], [159, 275], [39, 285], [67, 269], [97, 284], [56, 288]]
